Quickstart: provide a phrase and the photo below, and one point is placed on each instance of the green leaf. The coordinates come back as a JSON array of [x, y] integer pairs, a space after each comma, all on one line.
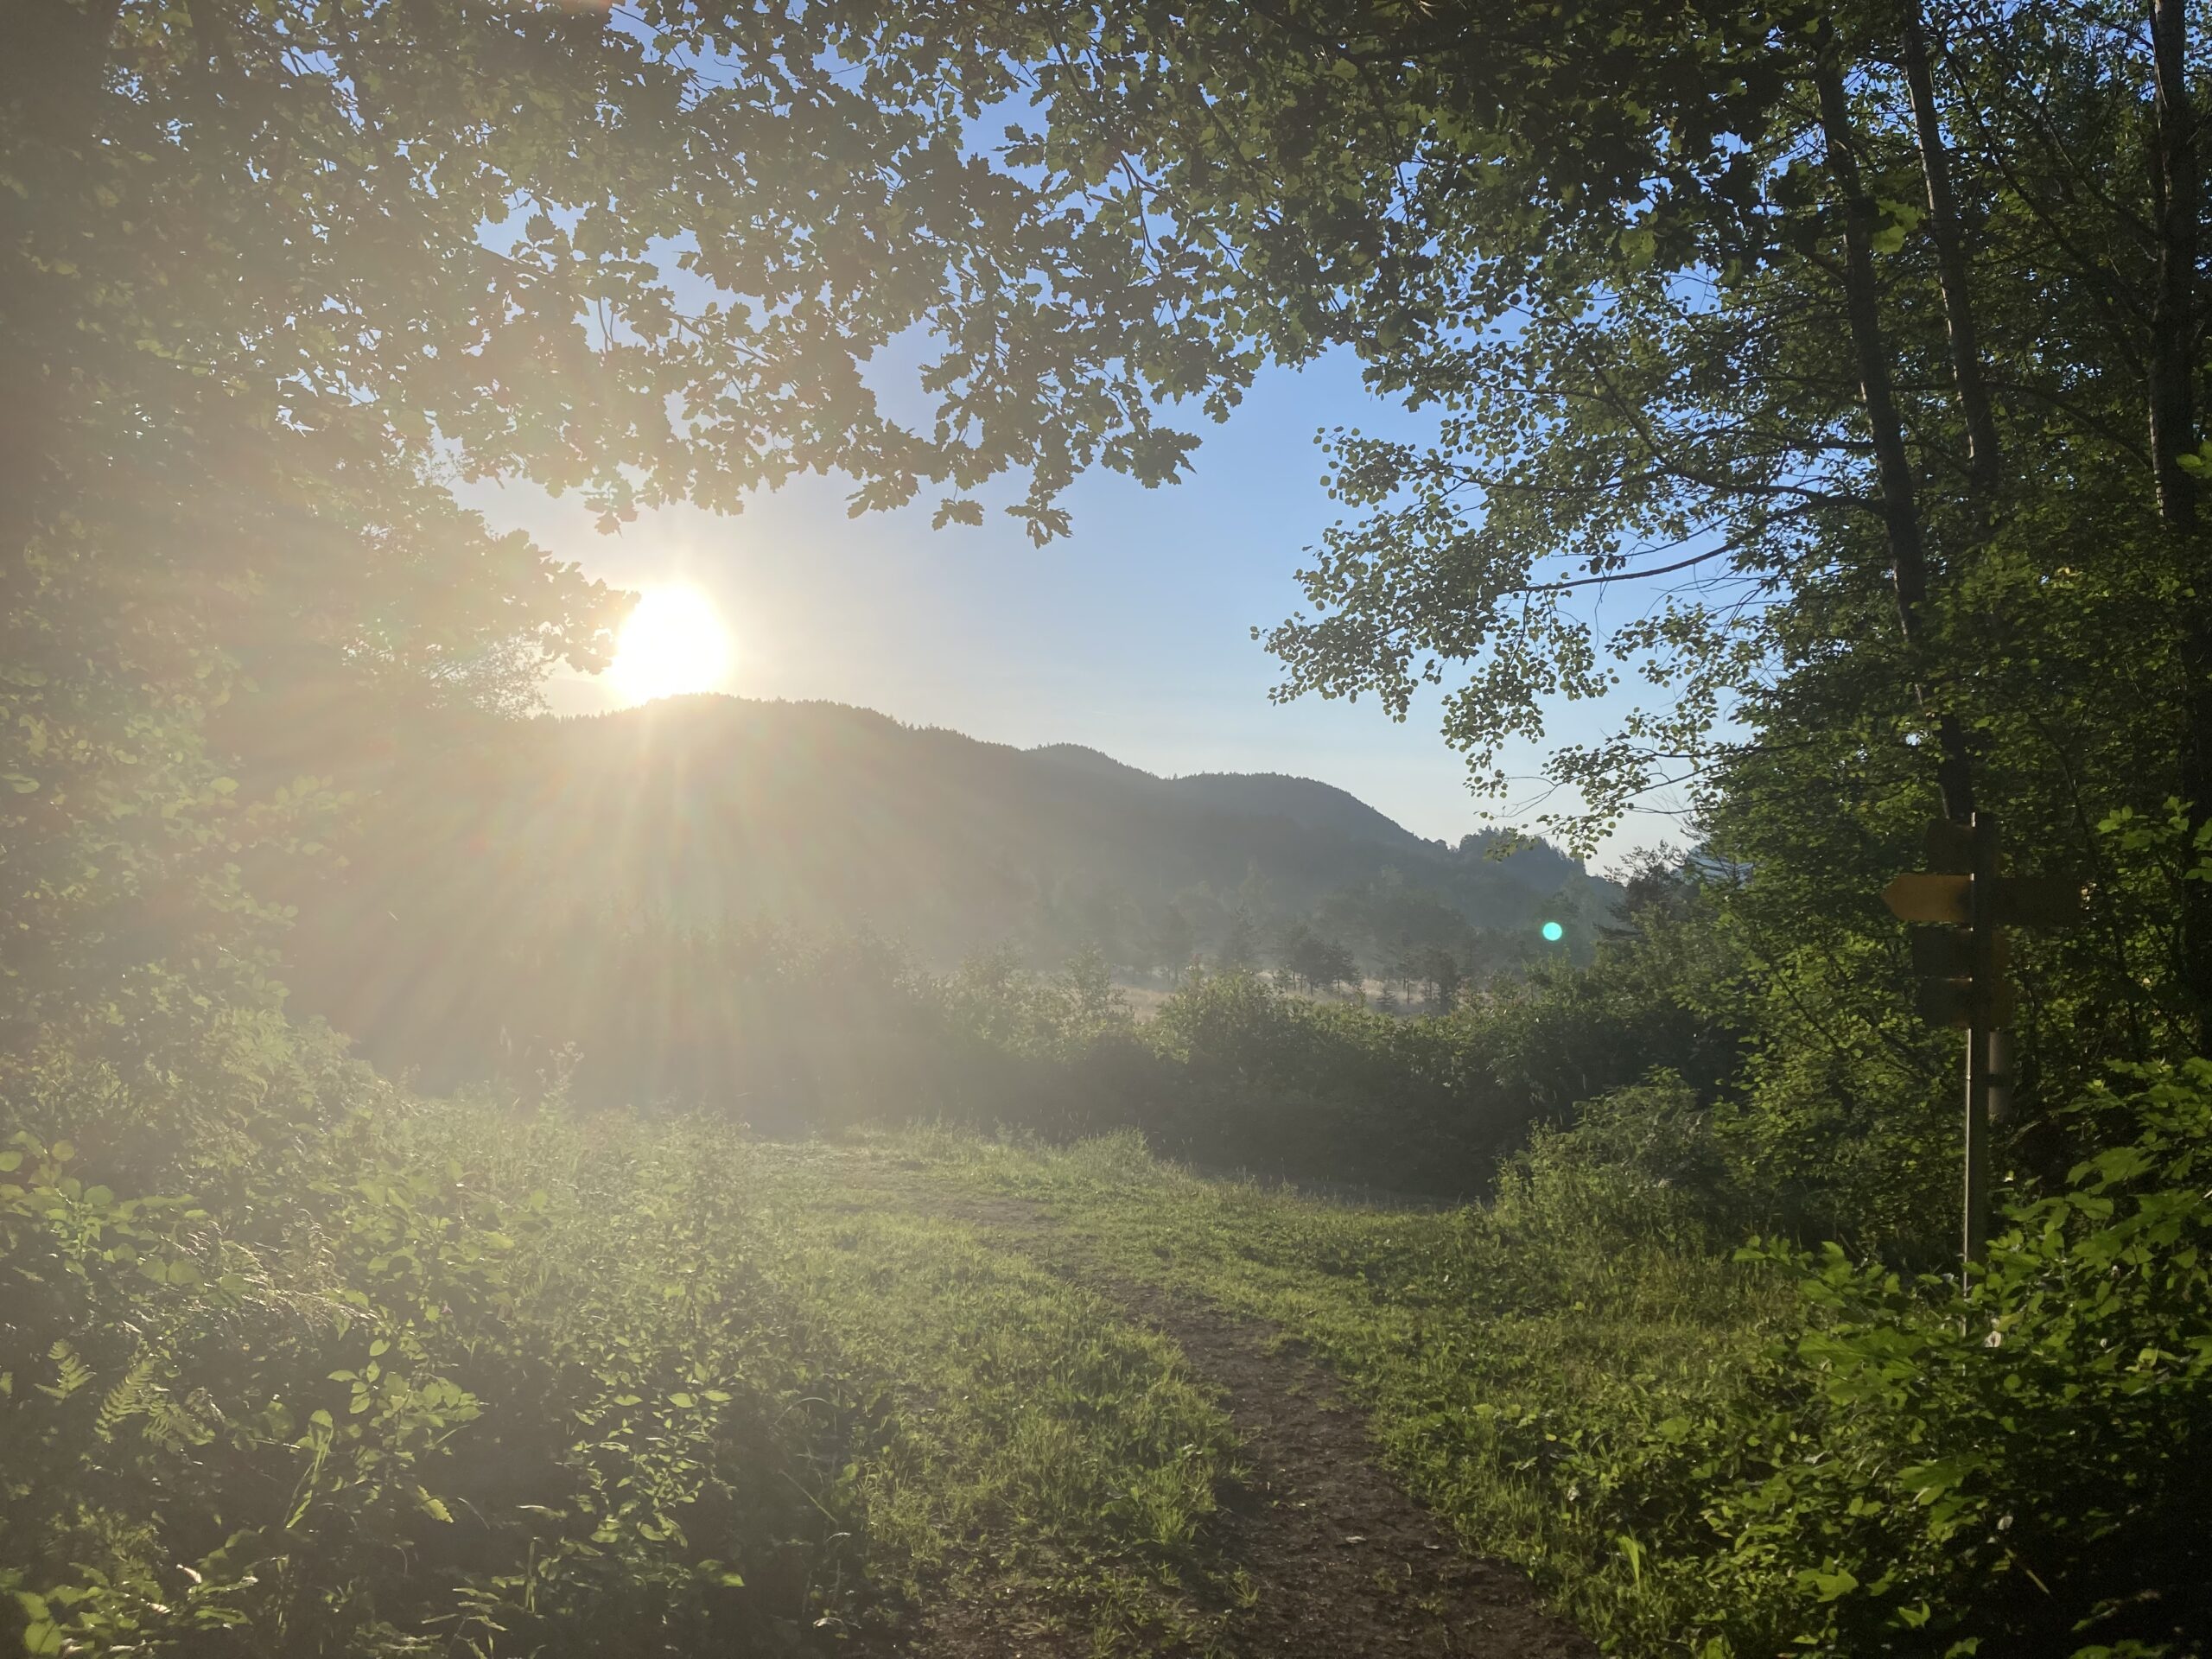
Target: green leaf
[[1829, 1586]]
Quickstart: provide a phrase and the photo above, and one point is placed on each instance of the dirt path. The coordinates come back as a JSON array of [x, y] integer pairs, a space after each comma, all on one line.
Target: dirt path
[[1345, 1562]]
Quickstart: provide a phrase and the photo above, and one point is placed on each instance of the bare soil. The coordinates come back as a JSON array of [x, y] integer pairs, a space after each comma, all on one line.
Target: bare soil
[[1347, 1561]]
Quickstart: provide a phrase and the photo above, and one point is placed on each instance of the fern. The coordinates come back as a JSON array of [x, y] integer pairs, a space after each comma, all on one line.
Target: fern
[[128, 1398], [70, 1373]]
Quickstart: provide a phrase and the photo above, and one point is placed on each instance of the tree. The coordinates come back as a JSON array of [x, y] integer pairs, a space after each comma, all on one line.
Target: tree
[[1089, 983], [1441, 977], [1758, 310], [1172, 941], [276, 272], [1841, 350], [1104, 916], [1240, 944], [1319, 964]]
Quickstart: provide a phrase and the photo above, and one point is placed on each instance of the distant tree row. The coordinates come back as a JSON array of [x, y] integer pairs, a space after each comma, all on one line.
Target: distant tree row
[[1386, 931]]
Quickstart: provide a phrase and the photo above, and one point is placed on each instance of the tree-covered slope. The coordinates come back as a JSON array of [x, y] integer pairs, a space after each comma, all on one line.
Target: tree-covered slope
[[714, 811]]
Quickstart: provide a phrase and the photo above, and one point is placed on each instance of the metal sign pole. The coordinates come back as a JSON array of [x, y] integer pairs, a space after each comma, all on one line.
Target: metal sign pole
[[1980, 900], [1977, 1192], [2000, 1076], [1962, 907]]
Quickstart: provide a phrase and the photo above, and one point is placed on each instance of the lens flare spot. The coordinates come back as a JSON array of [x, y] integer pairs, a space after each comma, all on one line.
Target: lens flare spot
[[1554, 932]]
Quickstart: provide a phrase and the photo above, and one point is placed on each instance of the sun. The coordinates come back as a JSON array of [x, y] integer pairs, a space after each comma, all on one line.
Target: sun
[[673, 642]]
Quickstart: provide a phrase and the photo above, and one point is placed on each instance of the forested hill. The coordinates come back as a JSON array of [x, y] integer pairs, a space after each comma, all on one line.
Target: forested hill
[[1210, 796], [712, 810]]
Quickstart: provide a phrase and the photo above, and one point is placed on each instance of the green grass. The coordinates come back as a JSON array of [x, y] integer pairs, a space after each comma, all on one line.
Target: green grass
[[506, 1383], [1032, 1449], [510, 1382], [389, 1376], [1506, 1364]]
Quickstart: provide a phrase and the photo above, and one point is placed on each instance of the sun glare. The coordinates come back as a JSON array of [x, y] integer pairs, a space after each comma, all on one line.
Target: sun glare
[[674, 643]]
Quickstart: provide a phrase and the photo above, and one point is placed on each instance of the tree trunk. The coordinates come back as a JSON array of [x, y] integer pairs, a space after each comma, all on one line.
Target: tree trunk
[[2177, 179], [1983, 465], [2173, 310], [50, 83], [1893, 466]]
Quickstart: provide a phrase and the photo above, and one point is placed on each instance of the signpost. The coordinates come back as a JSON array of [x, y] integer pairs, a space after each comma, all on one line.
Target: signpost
[[1959, 952]]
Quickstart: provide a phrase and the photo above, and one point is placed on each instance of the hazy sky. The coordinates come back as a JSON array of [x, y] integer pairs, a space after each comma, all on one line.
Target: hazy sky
[[1132, 636]]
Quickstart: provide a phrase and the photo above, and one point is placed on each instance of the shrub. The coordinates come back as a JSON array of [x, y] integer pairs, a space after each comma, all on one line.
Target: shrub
[[1332, 1092], [2021, 1469], [1642, 1161], [792, 1036], [421, 1375]]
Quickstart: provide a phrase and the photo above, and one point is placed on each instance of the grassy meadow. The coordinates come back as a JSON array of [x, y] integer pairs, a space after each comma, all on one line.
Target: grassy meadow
[[481, 1377], [497, 1376], [1499, 1356], [477, 1379]]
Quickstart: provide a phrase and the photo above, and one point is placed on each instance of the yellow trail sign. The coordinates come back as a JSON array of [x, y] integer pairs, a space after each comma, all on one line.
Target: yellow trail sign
[[1919, 898], [2015, 901], [1959, 963]]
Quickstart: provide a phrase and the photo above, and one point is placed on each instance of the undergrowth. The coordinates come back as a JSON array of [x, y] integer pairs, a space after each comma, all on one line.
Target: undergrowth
[[490, 1377], [470, 1377], [1707, 1450]]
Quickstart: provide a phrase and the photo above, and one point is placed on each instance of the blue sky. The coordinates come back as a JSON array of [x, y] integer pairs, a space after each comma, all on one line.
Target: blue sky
[[1132, 636]]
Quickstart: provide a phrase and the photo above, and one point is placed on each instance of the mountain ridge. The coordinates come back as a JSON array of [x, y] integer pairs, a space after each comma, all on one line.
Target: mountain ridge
[[723, 812]]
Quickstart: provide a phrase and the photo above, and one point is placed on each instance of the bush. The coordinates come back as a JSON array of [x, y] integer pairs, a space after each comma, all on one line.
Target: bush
[[1332, 1092], [1642, 1161], [792, 1036], [415, 1376], [2021, 1469]]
